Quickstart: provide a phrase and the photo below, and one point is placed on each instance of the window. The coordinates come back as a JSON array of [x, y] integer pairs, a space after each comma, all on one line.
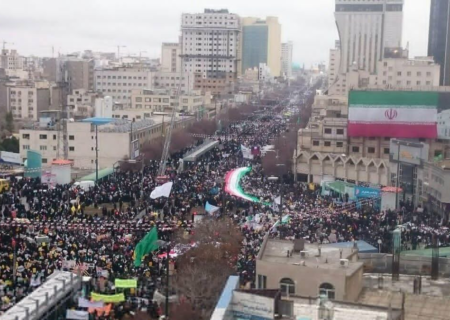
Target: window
[[262, 281], [370, 150], [25, 136], [44, 160], [42, 148], [328, 130], [339, 131], [327, 290], [43, 136], [339, 144], [26, 147], [316, 143], [408, 73], [71, 137], [419, 74], [355, 149], [327, 143], [71, 148], [287, 286], [138, 99], [437, 153], [386, 150]]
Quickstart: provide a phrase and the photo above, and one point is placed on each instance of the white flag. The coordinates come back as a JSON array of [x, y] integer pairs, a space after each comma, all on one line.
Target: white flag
[[246, 152], [84, 303], [162, 191], [77, 315], [278, 200]]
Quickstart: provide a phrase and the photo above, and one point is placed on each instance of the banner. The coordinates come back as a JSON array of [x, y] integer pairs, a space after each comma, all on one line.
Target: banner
[[84, 303], [77, 315], [125, 283], [162, 191], [246, 152], [232, 184], [115, 298], [393, 114], [210, 208]]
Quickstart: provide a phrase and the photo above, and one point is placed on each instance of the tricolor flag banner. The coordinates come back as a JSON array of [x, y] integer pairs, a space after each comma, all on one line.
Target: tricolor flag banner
[[393, 114], [233, 187]]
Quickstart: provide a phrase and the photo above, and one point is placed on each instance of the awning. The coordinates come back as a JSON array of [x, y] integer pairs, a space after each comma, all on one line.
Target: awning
[[101, 174]]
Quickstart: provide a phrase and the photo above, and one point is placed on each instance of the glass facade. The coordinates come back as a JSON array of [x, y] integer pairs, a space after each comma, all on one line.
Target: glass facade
[[254, 46], [438, 44]]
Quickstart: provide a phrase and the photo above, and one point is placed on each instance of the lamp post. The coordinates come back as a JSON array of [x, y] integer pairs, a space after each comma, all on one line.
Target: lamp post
[[131, 142], [96, 154], [166, 244]]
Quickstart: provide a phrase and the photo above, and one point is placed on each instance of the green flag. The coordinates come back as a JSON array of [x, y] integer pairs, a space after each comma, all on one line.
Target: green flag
[[298, 120], [146, 245]]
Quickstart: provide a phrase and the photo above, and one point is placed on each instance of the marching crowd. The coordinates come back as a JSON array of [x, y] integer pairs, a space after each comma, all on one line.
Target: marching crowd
[[95, 231]]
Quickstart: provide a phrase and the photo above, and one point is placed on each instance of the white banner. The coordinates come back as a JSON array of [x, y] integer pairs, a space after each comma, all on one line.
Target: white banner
[[77, 315], [392, 115], [162, 191], [11, 157], [246, 152], [84, 303]]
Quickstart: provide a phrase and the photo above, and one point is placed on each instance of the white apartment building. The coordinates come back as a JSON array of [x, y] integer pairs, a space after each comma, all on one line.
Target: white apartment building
[[114, 141], [81, 103], [443, 125], [171, 80], [25, 100], [286, 58], [10, 60], [119, 82], [366, 28], [171, 57], [210, 47]]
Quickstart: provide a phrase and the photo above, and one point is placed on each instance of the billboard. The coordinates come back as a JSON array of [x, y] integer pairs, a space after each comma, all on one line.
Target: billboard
[[393, 114], [362, 192], [408, 152]]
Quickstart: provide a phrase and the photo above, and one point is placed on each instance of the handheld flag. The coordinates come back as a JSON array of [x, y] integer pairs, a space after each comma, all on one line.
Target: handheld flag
[[162, 191], [210, 208], [146, 245]]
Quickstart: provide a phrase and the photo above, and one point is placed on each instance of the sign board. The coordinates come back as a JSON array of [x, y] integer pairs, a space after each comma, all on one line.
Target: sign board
[[362, 192], [410, 152], [134, 149], [10, 157], [250, 306]]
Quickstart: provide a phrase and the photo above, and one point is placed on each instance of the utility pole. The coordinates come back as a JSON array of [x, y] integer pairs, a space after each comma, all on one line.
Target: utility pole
[[118, 51]]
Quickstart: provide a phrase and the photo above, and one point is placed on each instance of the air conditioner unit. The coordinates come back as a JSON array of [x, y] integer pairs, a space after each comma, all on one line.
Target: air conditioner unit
[[304, 254], [343, 262]]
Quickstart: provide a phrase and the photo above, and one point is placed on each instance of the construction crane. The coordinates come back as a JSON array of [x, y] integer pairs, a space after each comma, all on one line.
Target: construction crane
[[162, 178], [118, 51], [5, 43]]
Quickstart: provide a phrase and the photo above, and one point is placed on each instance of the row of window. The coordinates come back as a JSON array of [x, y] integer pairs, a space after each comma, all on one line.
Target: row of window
[[44, 136], [408, 73], [122, 77], [121, 84], [330, 131]]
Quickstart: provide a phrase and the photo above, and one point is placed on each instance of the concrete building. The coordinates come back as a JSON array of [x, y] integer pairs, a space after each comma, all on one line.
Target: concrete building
[[309, 270], [334, 63], [81, 104], [11, 60], [264, 73], [286, 58], [174, 80], [26, 99], [366, 28], [261, 43], [210, 49], [81, 141], [171, 57], [119, 82], [443, 124], [79, 74], [439, 38], [393, 73]]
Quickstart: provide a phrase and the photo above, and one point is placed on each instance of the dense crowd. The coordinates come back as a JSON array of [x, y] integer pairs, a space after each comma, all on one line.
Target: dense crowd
[[96, 230]]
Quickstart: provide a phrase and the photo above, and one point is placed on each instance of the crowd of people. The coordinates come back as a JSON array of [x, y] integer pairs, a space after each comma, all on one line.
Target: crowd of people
[[46, 229]]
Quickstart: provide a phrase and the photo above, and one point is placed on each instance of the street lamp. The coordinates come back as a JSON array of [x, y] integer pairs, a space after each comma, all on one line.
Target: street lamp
[[166, 244]]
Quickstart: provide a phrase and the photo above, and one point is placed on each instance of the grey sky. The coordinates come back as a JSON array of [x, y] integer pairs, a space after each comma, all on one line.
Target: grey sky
[[141, 25]]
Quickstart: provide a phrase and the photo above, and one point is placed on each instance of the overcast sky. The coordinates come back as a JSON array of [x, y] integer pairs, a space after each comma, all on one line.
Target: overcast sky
[[141, 25]]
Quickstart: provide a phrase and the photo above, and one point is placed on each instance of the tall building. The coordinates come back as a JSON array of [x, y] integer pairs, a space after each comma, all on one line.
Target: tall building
[[333, 65], [261, 43], [26, 100], [210, 49], [171, 57], [366, 28], [10, 60], [439, 36], [286, 58]]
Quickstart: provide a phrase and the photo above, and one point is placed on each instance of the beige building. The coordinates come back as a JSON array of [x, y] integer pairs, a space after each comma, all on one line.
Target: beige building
[[174, 81], [309, 270], [286, 58], [114, 140], [171, 57], [26, 99], [261, 43], [393, 73], [333, 65], [81, 103], [11, 60]]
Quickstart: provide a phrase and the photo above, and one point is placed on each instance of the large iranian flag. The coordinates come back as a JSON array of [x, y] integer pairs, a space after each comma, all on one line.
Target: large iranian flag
[[393, 114]]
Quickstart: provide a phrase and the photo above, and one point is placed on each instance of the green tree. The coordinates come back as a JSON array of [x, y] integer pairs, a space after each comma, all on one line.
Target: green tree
[[9, 121], [10, 145]]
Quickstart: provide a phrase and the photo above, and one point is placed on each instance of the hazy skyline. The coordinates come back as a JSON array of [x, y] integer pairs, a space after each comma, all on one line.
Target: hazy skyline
[[143, 25]]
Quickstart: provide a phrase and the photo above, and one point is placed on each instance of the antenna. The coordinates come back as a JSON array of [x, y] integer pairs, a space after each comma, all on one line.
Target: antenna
[[118, 50], [5, 43]]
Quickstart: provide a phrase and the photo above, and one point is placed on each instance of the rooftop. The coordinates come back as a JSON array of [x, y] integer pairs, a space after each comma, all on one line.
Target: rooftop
[[275, 251]]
